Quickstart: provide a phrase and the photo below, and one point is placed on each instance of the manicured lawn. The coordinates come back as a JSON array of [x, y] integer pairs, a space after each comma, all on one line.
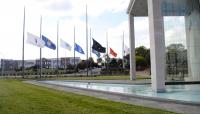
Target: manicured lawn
[[17, 97], [122, 77]]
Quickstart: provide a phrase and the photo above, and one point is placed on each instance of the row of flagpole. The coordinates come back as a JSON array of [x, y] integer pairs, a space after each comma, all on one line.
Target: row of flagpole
[[75, 45]]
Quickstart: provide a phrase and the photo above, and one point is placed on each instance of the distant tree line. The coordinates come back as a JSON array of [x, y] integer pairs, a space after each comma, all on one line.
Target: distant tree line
[[142, 58]]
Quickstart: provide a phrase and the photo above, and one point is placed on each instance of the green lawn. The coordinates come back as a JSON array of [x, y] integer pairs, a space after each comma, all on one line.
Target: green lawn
[[122, 77], [17, 97]]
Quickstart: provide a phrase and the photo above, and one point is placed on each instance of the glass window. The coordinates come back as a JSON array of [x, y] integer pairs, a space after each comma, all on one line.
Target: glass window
[[182, 39]]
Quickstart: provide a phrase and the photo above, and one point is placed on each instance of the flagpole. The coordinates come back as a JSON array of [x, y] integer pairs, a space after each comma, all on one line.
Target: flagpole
[[57, 47], [65, 63], [123, 51], [23, 43], [74, 52], [90, 50], [86, 40], [107, 50], [40, 47]]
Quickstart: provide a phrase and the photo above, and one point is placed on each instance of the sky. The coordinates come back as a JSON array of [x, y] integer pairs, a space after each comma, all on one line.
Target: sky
[[103, 16]]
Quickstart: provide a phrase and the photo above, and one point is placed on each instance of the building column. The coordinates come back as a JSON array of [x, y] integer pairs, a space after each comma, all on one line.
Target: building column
[[192, 23], [157, 45], [132, 48]]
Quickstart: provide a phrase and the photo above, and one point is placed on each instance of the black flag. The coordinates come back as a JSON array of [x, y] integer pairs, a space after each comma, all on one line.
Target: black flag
[[96, 46]]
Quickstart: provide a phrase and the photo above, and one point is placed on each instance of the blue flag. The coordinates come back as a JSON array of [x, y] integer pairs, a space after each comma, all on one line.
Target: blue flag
[[48, 43], [96, 53], [78, 49]]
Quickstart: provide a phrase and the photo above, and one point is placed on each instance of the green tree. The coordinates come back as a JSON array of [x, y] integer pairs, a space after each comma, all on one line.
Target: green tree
[[113, 63], [140, 62], [120, 63], [82, 65], [141, 51]]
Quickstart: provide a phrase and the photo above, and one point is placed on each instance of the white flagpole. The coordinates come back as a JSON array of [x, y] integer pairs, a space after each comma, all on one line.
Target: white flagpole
[[123, 51], [86, 40], [107, 50], [57, 48], [74, 52], [23, 43], [65, 63], [90, 49], [40, 47], [90, 43]]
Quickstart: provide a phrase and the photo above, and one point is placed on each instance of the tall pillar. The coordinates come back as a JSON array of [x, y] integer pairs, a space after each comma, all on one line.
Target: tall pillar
[[192, 23], [132, 48], [157, 45]]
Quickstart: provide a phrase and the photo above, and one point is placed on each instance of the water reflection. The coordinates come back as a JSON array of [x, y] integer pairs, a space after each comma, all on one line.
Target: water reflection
[[176, 92]]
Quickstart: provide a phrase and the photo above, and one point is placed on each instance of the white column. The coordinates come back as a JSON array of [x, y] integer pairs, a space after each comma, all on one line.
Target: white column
[[132, 48], [192, 23], [157, 45]]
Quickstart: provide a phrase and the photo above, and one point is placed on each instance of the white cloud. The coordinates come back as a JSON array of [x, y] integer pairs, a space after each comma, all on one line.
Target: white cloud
[[11, 12], [76, 8], [115, 35], [141, 34]]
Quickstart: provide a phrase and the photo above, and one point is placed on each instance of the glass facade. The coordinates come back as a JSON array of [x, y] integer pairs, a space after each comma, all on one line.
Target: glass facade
[[182, 39]]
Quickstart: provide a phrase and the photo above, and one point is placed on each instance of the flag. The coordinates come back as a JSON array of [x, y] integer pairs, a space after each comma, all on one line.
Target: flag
[[96, 46], [78, 49], [65, 45], [126, 50], [35, 40], [113, 53], [48, 43], [96, 53]]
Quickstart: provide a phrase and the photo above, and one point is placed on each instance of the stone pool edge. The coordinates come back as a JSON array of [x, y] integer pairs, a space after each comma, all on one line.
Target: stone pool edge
[[184, 107]]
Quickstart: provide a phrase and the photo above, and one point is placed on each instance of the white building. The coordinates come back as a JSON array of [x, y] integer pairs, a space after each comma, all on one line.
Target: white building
[[158, 11]]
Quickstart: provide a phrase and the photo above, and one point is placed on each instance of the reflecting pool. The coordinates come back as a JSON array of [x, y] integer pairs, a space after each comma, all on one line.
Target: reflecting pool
[[175, 92]]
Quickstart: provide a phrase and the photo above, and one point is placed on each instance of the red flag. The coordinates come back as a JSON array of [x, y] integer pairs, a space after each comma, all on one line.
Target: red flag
[[113, 53]]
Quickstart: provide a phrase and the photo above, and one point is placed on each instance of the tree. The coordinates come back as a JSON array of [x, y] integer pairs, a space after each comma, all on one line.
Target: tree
[[99, 60], [120, 63], [140, 62], [70, 67], [127, 61], [141, 51], [142, 57], [113, 63], [145, 53], [90, 62], [82, 65]]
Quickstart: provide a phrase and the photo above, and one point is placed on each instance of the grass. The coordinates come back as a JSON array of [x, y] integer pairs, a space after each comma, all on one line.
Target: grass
[[17, 97], [121, 77]]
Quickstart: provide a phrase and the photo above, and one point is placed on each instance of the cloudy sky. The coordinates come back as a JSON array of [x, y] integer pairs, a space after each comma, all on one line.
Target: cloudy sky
[[103, 15]]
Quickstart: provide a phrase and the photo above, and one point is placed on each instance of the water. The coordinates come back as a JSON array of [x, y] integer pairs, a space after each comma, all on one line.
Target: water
[[175, 92]]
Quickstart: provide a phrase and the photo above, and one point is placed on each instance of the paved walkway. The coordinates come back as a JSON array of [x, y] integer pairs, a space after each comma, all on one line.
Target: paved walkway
[[169, 105]]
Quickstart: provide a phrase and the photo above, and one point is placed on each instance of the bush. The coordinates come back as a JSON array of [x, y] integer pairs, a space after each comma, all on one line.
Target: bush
[[140, 62]]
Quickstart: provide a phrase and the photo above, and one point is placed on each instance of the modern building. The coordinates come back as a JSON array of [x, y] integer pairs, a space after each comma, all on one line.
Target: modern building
[[9, 64], [178, 54], [62, 62], [69, 61], [27, 63]]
